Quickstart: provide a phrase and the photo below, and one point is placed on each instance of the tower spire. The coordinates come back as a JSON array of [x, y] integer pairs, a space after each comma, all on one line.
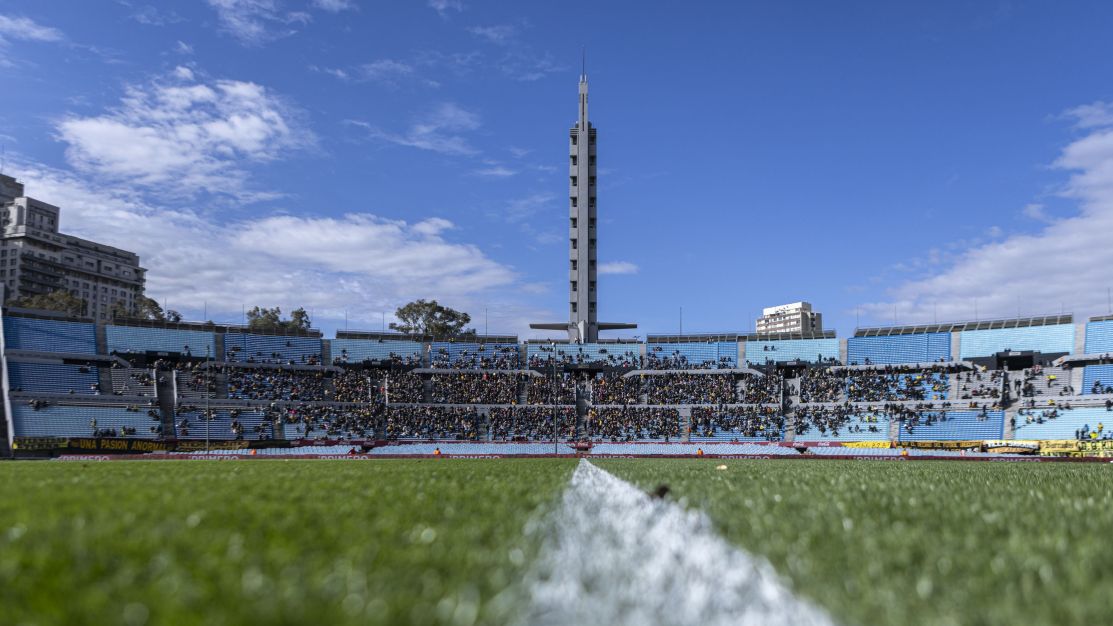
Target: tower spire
[[583, 64]]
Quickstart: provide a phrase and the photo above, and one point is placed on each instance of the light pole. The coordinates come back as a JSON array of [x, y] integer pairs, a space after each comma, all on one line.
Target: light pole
[[556, 391], [208, 383]]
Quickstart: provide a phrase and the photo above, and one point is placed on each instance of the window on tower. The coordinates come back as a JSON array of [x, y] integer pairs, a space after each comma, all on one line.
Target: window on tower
[[573, 243], [573, 157], [574, 285], [573, 220], [574, 202], [573, 181]]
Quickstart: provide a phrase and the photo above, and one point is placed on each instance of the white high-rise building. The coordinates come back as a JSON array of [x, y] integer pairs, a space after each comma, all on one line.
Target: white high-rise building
[[37, 259], [797, 317]]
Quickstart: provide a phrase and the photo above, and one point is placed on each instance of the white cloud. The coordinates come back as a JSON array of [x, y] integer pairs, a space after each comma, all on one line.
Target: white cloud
[[178, 136], [335, 6], [359, 262], [440, 130], [26, 29], [255, 22], [498, 34], [150, 15], [385, 70], [1066, 264], [618, 267], [443, 7], [495, 171], [1035, 211], [183, 48]]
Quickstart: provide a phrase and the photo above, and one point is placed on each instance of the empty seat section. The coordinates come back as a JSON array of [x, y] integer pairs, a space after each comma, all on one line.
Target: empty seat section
[[25, 333], [809, 350], [197, 343], [1099, 337], [471, 355], [1096, 375], [1064, 424], [1054, 339], [704, 355], [954, 425], [192, 425], [249, 347], [52, 378], [360, 350], [923, 348], [82, 421]]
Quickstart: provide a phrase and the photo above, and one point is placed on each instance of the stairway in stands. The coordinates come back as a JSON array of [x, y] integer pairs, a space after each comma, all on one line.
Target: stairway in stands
[[164, 389]]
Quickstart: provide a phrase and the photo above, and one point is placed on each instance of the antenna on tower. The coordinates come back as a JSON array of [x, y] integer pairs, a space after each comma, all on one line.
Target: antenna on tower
[[583, 62]]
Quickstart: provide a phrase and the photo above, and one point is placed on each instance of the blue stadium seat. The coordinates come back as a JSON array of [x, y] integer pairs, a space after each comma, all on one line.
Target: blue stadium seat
[[956, 425], [25, 333], [1055, 339], [360, 350], [923, 348], [1066, 425], [125, 339], [713, 355], [243, 347], [617, 354], [472, 355], [1099, 337], [221, 426], [52, 378], [77, 421], [809, 350], [1095, 374]]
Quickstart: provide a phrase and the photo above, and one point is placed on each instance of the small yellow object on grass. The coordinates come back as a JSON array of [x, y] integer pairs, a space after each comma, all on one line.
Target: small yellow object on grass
[[720, 467]]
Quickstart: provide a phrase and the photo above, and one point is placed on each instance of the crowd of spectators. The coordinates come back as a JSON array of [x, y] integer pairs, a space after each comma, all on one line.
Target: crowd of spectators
[[404, 388], [1037, 380], [276, 384], [475, 388], [894, 386], [531, 423], [322, 421], [431, 422], [758, 389], [614, 388], [837, 421], [632, 423], [981, 384], [821, 385], [542, 390], [692, 389], [354, 385], [751, 422], [485, 356]]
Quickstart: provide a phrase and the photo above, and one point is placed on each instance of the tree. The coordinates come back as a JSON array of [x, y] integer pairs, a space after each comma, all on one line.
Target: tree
[[174, 316], [146, 309], [427, 317], [263, 319], [59, 300]]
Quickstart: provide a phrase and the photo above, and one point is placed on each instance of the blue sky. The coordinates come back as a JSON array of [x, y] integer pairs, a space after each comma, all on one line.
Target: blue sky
[[909, 163]]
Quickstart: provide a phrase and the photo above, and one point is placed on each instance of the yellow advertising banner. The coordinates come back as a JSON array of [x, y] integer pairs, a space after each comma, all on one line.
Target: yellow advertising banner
[[867, 444], [1058, 446]]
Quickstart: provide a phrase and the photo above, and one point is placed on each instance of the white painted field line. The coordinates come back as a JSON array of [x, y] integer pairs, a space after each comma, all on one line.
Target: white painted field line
[[613, 555]]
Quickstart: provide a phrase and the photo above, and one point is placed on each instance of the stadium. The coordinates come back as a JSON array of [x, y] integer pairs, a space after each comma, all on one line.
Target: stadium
[[161, 470]]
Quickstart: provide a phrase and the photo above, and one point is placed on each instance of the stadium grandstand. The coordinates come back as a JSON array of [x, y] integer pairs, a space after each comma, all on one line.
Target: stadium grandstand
[[69, 381]]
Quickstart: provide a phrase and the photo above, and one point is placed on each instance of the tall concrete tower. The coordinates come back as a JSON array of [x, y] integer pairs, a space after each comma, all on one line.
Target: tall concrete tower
[[583, 324]]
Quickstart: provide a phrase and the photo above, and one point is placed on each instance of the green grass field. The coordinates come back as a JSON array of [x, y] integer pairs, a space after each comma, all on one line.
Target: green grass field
[[424, 541]]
